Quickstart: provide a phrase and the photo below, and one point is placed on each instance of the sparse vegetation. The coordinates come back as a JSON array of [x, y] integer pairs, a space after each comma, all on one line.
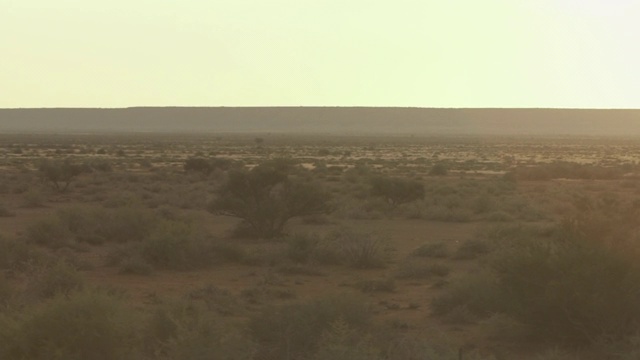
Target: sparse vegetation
[[516, 256]]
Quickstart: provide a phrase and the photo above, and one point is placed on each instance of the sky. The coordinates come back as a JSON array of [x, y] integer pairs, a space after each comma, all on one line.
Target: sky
[[399, 53]]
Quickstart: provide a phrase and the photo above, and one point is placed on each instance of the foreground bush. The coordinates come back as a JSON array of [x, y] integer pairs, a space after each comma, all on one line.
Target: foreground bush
[[88, 325], [18, 255], [177, 246], [94, 226], [580, 284], [55, 279], [341, 246], [572, 289], [185, 331], [295, 331]]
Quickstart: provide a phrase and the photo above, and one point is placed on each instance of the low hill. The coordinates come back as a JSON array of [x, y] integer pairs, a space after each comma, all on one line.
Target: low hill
[[326, 120]]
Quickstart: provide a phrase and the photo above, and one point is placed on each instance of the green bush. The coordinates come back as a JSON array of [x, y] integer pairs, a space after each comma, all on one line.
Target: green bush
[[295, 331], [397, 191], [360, 250], [87, 325], [216, 299], [572, 289], [478, 293], [49, 232], [173, 245], [578, 283], [125, 224], [184, 330], [177, 246], [341, 342], [20, 256], [119, 225], [49, 281]]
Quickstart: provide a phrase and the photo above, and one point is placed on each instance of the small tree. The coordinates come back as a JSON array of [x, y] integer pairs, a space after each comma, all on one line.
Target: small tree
[[266, 198], [397, 191], [59, 173]]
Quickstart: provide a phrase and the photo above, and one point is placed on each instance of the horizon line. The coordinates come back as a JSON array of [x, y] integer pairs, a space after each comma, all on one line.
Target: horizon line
[[311, 107]]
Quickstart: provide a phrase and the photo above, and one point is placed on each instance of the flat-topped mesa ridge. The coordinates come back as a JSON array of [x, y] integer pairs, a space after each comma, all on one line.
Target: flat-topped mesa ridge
[[326, 120]]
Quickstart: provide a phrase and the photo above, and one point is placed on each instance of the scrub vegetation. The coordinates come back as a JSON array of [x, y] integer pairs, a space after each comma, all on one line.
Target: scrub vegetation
[[308, 247]]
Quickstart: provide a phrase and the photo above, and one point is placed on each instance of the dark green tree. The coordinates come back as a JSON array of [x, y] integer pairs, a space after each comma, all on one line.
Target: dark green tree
[[59, 174], [267, 197]]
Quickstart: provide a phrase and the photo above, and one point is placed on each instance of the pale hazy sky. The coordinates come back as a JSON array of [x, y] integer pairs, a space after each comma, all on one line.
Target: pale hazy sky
[[424, 53]]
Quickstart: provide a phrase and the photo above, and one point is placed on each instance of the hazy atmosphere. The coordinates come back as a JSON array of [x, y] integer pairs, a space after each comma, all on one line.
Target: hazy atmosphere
[[320, 180], [461, 53]]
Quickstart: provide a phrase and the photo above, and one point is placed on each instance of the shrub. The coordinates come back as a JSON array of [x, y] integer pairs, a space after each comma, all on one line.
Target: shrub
[[176, 246], [360, 250], [49, 232], [82, 325], [59, 278], [185, 330], [216, 299], [478, 293], [572, 290], [577, 284], [439, 169], [433, 250], [397, 191], [341, 342], [127, 224], [266, 198], [294, 331], [207, 166], [20, 256], [120, 225], [34, 198], [412, 269]]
